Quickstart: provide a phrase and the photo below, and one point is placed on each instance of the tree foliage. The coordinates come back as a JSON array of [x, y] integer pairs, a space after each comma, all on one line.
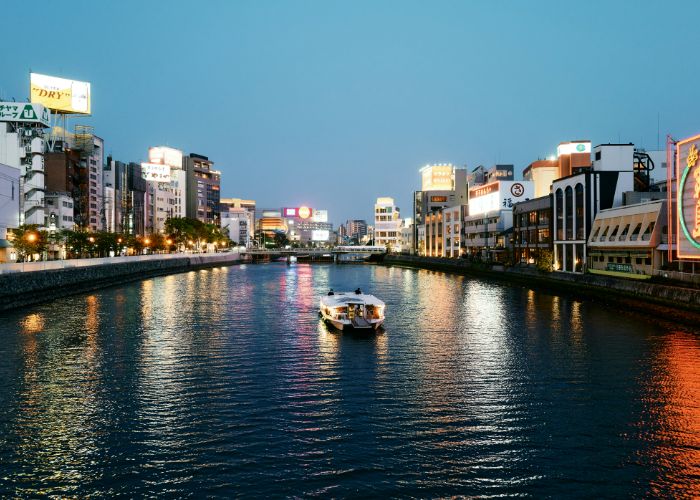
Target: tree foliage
[[29, 240]]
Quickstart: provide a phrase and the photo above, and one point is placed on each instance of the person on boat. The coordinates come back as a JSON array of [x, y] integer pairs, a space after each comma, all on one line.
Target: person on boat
[[331, 292], [358, 292]]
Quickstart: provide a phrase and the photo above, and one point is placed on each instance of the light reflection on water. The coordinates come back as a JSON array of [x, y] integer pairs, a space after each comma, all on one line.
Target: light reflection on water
[[225, 381]]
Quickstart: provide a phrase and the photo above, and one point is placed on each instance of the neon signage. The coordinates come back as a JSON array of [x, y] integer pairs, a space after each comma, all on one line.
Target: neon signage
[[688, 198]]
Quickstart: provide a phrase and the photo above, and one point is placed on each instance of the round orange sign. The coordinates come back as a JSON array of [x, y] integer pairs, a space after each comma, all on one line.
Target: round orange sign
[[304, 212]]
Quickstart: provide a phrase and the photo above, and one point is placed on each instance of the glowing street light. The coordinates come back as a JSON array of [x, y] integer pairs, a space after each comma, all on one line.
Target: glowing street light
[[31, 237]]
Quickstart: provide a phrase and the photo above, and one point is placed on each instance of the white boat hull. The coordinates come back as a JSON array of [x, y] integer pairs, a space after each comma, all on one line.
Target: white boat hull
[[347, 325]]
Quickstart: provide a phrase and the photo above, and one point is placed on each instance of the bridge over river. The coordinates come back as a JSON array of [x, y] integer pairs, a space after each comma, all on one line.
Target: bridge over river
[[335, 254]]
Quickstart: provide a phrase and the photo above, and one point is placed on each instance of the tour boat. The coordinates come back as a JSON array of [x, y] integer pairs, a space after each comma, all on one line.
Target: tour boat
[[352, 310]]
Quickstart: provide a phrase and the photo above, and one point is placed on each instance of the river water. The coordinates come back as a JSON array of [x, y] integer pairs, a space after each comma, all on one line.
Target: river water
[[224, 382]]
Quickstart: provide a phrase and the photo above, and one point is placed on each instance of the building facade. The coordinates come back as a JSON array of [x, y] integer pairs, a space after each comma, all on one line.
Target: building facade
[[203, 189], [442, 185], [489, 224], [577, 199], [532, 230], [452, 230], [59, 211], [626, 241], [22, 145], [387, 224]]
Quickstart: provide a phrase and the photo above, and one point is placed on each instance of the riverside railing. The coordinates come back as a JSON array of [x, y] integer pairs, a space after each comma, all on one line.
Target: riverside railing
[[47, 265]]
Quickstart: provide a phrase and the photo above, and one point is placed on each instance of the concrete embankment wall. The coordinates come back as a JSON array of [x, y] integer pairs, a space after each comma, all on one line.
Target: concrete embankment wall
[[674, 302], [26, 288]]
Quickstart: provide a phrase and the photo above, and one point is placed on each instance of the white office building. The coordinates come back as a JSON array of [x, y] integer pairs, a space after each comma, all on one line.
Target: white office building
[[387, 224]]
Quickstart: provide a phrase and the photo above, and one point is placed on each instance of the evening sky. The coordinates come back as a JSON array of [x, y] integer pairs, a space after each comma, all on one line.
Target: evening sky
[[331, 104]]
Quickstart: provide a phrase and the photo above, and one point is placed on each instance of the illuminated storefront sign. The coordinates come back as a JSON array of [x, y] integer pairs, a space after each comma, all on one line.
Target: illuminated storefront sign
[[301, 212], [688, 202], [437, 178], [438, 199], [476, 192], [60, 94]]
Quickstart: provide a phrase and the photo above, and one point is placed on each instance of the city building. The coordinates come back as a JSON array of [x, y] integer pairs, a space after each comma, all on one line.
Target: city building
[[406, 239], [22, 145], [572, 156], [66, 173], [387, 224], [307, 226], [542, 173], [9, 207], [532, 231], [452, 235], [433, 242], [442, 185], [92, 148], [59, 210], [269, 223], [489, 224], [177, 181], [236, 222], [626, 241], [125, 208], [203, 188], [356, 229], [160, 205], [239, 206], [579, 197]]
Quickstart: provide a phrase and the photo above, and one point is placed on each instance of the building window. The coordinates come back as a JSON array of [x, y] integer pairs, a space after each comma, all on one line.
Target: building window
[[569, 208], [623, 234], [559, 201], [580, 230], [613, 235], [635, 233]]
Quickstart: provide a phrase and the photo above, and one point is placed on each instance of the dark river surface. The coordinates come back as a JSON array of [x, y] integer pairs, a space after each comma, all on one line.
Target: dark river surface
[[224, 382]]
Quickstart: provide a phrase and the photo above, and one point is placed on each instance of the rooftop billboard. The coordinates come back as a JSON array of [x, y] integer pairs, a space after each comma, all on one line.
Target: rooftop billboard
[[155, 172], [437, 177], [165, 156], [59, 94]]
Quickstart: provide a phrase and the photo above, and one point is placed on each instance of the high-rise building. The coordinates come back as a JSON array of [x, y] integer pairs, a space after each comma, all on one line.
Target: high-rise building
[[203, 189], [356, 229], [172, 158], [125, 208]]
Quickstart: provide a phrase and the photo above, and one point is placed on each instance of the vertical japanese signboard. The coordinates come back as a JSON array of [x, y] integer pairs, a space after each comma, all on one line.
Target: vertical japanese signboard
[[688, 198]]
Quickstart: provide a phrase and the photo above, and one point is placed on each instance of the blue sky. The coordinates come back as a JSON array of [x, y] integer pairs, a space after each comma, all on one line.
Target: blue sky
[[331, 104]]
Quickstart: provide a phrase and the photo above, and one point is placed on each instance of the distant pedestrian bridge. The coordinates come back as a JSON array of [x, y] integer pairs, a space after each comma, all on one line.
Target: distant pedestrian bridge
[[335, 254]]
